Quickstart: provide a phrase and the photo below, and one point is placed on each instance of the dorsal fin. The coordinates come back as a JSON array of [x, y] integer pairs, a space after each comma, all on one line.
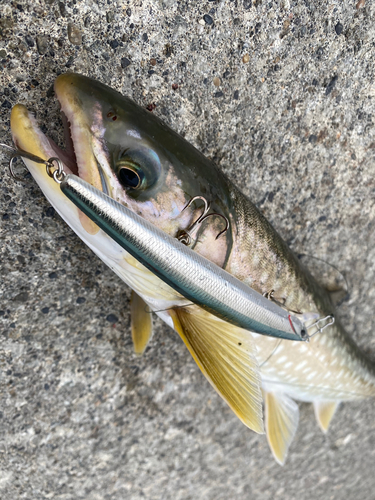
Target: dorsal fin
[[141, 323], [281, 415], [226, 356], [324, 411]]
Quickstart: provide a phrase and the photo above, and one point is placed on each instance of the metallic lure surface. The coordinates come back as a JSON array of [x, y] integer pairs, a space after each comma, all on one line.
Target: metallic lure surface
[[131, 155], [190, 274]]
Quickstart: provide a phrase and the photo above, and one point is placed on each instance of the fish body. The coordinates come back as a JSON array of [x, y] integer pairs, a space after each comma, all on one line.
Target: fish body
[[132, 156]]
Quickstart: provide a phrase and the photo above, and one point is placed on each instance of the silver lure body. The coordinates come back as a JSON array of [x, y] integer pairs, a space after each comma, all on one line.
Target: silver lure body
[[193, 276]]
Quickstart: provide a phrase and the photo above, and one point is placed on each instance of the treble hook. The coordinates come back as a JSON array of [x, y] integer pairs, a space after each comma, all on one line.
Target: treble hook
[[57, 174], [186, 236]]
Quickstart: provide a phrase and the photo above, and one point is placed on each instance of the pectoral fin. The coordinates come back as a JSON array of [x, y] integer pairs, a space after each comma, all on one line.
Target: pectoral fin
[[226, 356], [141, 323], [324, 411], [282, 417]]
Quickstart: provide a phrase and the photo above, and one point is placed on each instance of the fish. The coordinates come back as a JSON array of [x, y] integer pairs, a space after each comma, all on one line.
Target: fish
[[129, 154]]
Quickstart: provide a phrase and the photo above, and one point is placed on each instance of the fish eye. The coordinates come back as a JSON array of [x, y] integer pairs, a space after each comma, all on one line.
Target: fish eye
[[137, 168], [129, 177]]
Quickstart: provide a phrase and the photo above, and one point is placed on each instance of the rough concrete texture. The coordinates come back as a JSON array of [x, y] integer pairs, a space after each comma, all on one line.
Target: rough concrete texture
[[281, 95]]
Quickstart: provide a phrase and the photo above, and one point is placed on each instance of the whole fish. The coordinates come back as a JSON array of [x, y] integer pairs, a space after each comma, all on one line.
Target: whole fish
[[132, 156]]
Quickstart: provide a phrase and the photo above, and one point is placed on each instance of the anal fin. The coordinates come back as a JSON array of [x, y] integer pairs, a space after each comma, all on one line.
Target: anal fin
[[141, 323], [324, 411], [282, 417], [226, 356]]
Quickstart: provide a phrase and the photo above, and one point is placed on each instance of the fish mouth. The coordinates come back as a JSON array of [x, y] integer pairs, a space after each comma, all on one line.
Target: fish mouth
[[83, 153]]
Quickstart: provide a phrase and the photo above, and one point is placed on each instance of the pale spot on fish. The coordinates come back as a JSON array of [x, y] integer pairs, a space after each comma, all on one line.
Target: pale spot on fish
[[301, 365], [281, 360]]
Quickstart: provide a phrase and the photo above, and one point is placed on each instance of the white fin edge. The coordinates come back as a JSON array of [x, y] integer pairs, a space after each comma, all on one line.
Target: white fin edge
[[324, 412]]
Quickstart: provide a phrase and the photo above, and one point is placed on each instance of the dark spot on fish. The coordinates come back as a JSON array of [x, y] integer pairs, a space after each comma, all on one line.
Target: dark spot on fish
[[112, 115], [239, 343], [112, 318]]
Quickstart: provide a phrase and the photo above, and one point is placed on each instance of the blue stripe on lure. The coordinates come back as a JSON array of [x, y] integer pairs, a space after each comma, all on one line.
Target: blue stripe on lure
[[187, 272]]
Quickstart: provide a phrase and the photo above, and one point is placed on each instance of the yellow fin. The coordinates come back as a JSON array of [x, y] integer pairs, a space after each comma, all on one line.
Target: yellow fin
[[141, 323], [226, 356], [324, 411], [282, 417]]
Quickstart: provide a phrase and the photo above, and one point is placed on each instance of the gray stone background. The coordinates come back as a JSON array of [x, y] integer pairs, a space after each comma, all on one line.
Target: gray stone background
[[281, 95]]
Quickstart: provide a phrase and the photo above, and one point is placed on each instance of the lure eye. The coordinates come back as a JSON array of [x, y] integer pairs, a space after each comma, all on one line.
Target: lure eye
[[129, 178]]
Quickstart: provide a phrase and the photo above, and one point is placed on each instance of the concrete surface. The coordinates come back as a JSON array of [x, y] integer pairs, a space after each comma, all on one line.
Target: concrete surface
[[281, 95]]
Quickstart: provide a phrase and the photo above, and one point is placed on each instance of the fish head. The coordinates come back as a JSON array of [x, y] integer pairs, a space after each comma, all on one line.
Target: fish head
[[140, 161]]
